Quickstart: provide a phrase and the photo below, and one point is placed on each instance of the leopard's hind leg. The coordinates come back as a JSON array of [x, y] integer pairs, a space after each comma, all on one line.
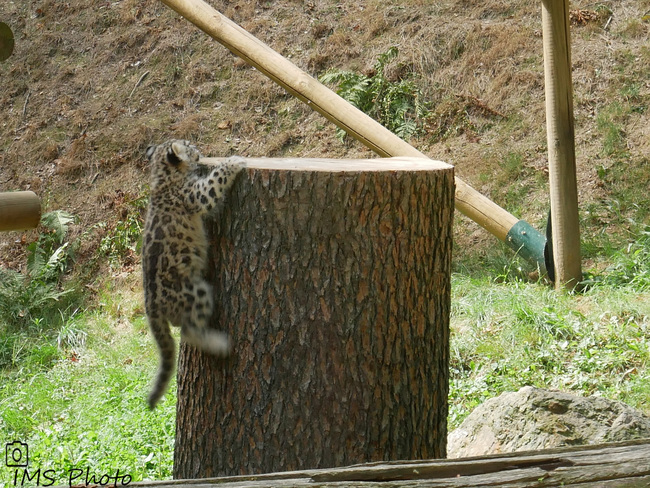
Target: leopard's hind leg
[[197, 314]]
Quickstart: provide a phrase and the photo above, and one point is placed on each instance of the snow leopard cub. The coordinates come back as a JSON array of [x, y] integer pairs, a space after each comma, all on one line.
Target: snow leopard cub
[[175, 248]]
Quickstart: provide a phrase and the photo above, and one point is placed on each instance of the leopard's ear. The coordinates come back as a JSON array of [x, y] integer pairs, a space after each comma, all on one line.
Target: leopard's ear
[[150, 150], [174, 154], [179, 152]]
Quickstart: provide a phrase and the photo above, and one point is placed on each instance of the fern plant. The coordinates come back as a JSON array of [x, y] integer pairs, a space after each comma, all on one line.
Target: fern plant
[[397, 105], [25, 298], [49, 255]]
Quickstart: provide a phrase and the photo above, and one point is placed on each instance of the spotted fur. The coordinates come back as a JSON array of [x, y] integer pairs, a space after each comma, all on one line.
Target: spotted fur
[[174, 251]]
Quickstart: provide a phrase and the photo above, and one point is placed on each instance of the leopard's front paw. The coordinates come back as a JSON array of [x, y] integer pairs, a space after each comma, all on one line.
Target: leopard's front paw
[[235, 164]]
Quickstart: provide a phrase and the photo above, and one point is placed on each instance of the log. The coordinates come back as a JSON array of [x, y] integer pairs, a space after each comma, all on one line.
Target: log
[[561, 144], [19, 210], [617, 465], [332, 279], [362, 127]]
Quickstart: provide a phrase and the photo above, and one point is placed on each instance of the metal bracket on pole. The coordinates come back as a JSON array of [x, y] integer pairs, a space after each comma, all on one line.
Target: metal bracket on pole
[[528, 243]]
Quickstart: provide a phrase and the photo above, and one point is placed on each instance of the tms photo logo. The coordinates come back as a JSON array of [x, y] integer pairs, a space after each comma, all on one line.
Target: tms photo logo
[[16, 454], [17, 457]]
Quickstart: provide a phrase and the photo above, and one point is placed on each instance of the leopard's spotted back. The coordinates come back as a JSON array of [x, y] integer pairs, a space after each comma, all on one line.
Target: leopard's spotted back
[[174, 251]]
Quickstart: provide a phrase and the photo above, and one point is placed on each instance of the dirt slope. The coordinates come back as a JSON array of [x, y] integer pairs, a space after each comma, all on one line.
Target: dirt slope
[[92, 84]]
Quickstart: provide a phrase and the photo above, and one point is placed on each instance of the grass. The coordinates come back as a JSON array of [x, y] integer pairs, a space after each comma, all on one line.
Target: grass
[[86, 407], [73, 379], [509, 333], [512, 334]]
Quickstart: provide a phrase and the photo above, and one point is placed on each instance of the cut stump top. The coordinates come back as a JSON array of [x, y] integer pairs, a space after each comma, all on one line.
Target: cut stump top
[[340, 165]]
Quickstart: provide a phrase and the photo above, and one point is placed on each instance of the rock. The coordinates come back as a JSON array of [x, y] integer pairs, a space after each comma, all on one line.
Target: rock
[[533, 419]]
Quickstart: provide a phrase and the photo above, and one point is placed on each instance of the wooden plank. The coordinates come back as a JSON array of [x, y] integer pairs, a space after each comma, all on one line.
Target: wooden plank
[[555, 467], [619, 465]]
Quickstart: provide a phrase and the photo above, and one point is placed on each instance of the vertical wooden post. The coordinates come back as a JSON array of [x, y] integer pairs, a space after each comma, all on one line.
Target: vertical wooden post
[[561, 144]]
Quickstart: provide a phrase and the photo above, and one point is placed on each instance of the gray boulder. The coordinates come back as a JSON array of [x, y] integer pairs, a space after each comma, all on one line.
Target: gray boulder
[[533, 419]]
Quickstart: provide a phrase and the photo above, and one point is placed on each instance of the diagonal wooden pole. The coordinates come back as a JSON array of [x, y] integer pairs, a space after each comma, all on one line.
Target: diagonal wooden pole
[[516, 233], [561, 144]]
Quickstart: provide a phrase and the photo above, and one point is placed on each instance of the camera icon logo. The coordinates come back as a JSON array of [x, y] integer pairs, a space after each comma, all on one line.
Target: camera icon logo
[[17, 454]]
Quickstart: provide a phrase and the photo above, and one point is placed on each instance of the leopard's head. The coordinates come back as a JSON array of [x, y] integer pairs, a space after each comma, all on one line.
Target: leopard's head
[[171, 161]]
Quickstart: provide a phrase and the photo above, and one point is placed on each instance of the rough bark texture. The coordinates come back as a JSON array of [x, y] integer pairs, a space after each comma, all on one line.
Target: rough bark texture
[[334, 288]]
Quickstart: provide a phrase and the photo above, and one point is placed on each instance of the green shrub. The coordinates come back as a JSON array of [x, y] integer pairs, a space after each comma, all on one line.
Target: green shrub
[[123, 242], [397, 105], [34, 304], [25, 298]]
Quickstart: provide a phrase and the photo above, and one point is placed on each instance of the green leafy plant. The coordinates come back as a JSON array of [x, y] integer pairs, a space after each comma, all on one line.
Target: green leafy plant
[[49, 256], [25, 298], [398, 105], [124, 240]]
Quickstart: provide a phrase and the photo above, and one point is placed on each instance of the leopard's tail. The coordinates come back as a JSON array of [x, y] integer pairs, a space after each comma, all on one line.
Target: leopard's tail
[[167, 349]]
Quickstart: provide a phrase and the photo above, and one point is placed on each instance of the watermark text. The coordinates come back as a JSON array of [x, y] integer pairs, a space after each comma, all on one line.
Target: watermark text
[[17, 456]]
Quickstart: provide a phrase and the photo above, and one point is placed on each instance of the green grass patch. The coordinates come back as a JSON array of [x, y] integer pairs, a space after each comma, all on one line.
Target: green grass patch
[[87, 408], [508, 332], [609, 124], [607, 225]]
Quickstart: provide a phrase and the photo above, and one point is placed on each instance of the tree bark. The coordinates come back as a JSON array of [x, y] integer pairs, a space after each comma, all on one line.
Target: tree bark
[[332, 279]]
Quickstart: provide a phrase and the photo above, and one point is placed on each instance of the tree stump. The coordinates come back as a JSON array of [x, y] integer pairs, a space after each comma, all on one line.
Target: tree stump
[[332, 279]]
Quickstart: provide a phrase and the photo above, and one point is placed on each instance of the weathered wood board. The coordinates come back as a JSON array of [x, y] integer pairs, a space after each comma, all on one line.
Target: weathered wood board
[[620, 465]]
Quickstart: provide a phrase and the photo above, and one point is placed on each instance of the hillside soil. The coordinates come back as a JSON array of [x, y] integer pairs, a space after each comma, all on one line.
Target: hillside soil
[[92, 84]]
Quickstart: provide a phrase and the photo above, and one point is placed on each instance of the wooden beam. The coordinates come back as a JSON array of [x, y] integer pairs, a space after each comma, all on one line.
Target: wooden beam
[[479, 208], [19, 210], [561, 145], [615, 465]]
